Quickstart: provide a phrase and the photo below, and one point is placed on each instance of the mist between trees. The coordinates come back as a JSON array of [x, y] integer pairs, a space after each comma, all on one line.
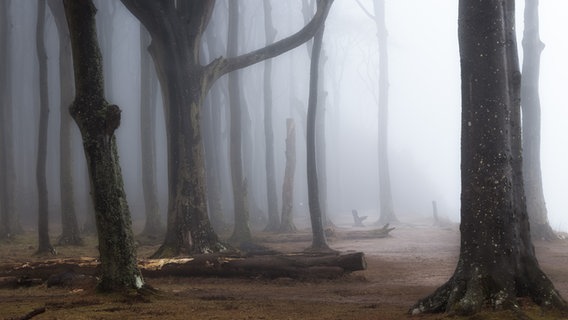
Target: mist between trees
[[423, 133], [362, 116]]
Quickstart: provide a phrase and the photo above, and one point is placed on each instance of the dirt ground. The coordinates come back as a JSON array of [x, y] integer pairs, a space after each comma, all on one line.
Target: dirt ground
[[402, 268]]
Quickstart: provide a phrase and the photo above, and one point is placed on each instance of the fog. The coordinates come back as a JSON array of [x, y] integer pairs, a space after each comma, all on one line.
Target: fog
[[424, 107]]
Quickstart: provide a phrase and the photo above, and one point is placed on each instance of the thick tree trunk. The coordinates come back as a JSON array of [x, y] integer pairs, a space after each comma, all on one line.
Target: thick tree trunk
[[148, 89], [69, 224], [177, 29], [287, 221], [497, 261], [319, 242], [241, 231], [44, 245], [272, 198], [97, 121], [188, 228], [530, 103]]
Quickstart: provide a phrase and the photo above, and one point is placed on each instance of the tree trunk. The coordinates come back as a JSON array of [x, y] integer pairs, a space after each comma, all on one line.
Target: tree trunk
[[530, 103], [176, 30], [386, 210], [287, 221], [97, 121], [241, 231], [9, 215], [319, 242], [148, 89], [272, 198], [497, 261], [69, 225], [5, 105], [44, 245]]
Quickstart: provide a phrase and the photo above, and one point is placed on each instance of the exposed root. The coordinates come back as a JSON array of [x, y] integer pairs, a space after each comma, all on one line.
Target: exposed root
[[469, 297]]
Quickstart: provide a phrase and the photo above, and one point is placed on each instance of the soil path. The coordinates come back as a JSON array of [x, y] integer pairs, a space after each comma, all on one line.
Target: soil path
[[403, 268]]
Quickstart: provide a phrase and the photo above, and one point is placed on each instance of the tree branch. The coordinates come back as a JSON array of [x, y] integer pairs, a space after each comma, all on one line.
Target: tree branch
[[221, 66]]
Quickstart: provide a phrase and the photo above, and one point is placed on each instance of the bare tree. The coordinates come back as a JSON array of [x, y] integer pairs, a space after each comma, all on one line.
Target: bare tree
[[98, 120], [530, 104], [6, 145], [272, 198], [69, 224], [287, 221], [177, 29], [153, 226], [497, 261], [9, 217], [241, 230], [386, 207], [44, 245], [319, 242]]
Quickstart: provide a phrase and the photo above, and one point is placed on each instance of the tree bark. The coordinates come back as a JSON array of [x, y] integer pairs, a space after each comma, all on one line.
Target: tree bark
[[530, 104], [497, 261], [44, 245], [319, 243], [97, 121], [176, 43], [69, 224]]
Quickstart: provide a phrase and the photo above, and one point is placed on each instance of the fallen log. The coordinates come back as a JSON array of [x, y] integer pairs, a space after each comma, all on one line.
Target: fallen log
[[331, 234], [295, 265], [366, 234]]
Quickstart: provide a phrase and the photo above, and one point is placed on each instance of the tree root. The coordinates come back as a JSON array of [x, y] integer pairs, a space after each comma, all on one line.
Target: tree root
[[467, 297]]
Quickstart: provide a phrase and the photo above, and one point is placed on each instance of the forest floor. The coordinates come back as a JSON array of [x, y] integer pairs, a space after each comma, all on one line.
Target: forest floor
[[408, 265]]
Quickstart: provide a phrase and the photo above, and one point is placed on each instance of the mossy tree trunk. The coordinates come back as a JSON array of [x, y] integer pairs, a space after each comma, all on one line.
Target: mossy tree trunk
[[177, 30], [97, 121], [530, 103], [70, 234], [44, 244], [497, 262]]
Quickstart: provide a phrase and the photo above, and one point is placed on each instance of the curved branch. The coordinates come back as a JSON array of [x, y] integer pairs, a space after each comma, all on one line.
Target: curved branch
[[222, 66]]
